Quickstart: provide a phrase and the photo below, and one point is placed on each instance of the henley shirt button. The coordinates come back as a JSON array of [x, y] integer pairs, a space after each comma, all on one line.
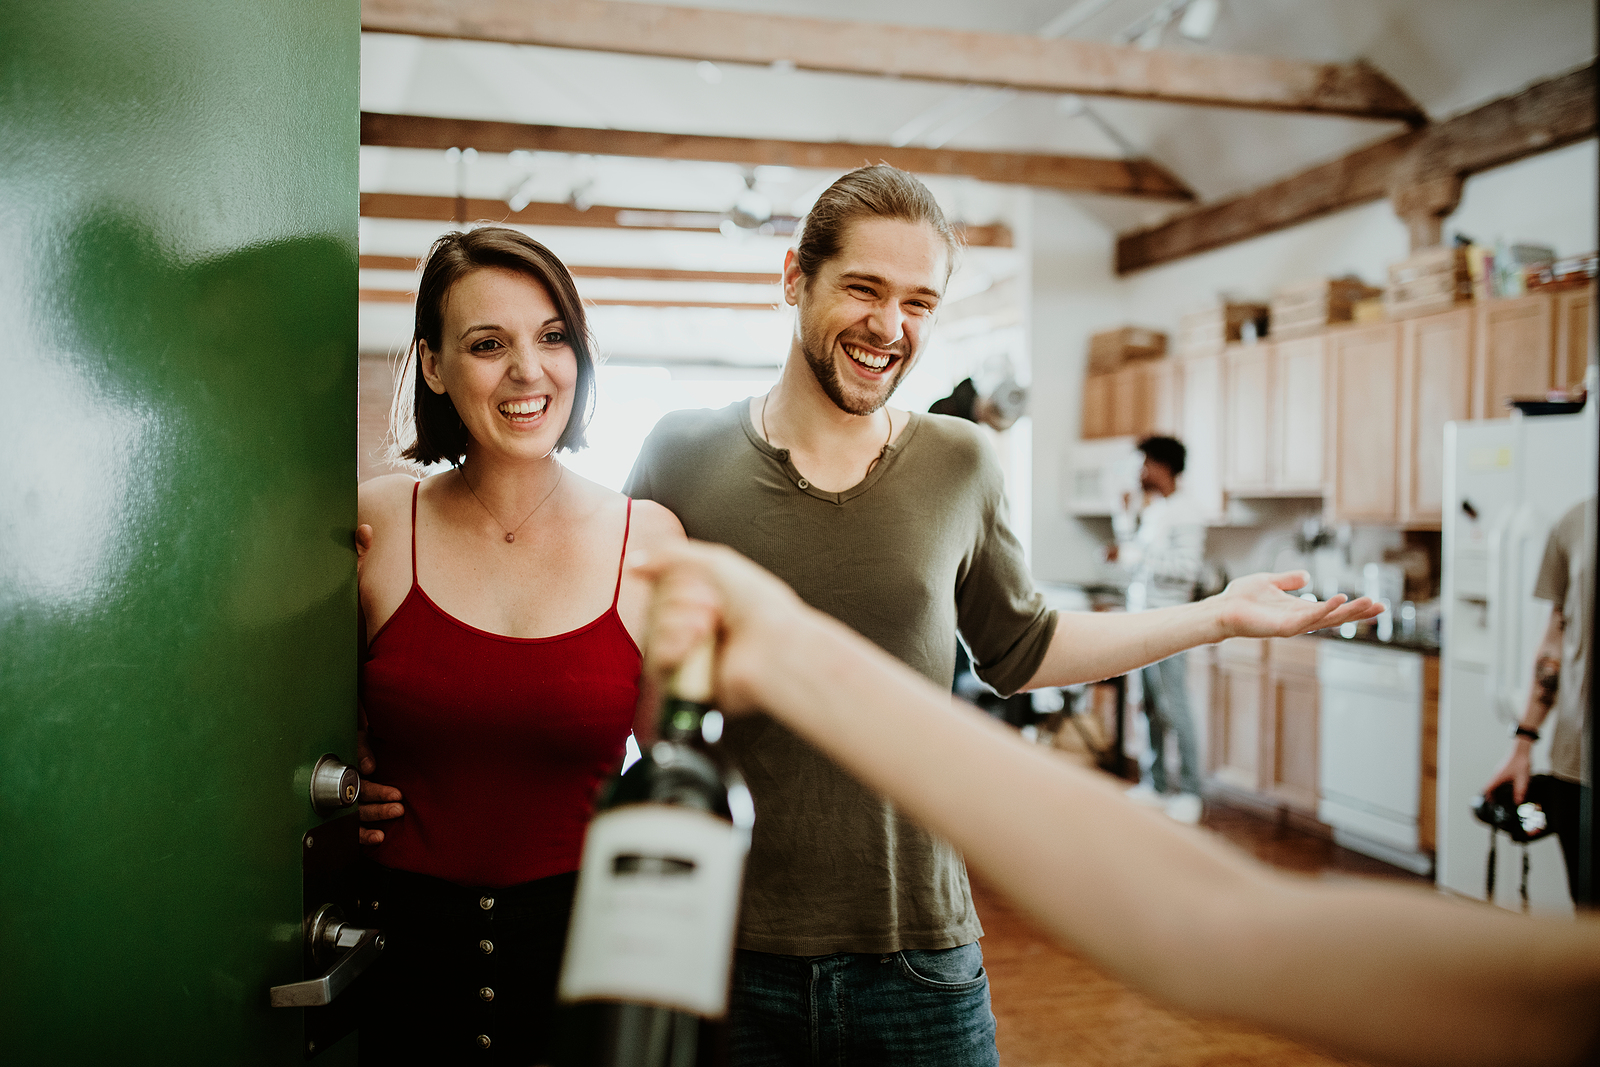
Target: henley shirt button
[[483, 1041], [486, 994], [486, 946], [486, 903], [802, 483]]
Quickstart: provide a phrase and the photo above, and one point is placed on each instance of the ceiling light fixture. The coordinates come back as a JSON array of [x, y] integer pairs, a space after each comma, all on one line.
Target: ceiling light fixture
[[752, 208], [522, 195], [1199, 19]]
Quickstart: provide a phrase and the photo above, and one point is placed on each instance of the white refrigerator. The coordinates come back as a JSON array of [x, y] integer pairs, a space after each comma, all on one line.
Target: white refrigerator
[[1507, 482]]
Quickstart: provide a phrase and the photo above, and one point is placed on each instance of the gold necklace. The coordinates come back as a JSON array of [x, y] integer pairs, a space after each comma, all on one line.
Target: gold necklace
[[889, 437], [511, 535]]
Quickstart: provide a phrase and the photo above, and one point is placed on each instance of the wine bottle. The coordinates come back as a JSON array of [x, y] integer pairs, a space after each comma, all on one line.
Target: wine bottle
[[644, 982]]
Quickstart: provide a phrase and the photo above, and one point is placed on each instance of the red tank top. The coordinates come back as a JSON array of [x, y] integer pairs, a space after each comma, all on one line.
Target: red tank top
[[497, 744]]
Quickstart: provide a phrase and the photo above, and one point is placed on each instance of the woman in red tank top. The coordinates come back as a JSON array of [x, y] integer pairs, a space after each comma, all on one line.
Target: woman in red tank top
[[501, 674]]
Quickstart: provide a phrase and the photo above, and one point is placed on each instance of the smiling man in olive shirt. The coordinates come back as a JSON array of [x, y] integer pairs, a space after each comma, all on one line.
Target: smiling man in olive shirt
[[858, 939]]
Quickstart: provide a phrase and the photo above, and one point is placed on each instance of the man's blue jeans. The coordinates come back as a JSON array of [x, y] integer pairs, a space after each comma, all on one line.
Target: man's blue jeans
[[1166, 706], [922, 1008]]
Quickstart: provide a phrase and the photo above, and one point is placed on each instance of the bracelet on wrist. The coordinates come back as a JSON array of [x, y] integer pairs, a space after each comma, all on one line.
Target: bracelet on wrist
[[1523, 731]]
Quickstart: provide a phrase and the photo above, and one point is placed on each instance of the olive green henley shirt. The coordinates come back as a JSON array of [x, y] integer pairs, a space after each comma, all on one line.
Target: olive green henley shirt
[[919, 549]]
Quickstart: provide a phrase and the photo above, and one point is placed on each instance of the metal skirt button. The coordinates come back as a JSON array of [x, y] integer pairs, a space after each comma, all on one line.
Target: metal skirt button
[[486, 994]]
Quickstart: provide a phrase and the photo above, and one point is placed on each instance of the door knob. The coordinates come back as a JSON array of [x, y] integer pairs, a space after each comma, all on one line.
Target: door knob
[[351, 950], [335, 785]]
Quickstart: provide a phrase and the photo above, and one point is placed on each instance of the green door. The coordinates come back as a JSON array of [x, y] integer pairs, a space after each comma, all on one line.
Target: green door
[[178, 208]]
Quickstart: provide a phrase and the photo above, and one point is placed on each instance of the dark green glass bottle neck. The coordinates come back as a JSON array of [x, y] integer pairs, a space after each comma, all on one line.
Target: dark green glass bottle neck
[[681, 719]]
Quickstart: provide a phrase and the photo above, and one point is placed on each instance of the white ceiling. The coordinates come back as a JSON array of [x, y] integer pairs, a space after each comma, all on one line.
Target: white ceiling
[[1450, 55]]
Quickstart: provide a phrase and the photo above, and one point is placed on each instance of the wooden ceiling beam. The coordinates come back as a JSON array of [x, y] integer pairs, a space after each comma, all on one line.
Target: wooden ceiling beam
[[646, 274], [1083, 174], [1415, 168], [1358, 178], [1015, 61], [401, 296], [448, 209]]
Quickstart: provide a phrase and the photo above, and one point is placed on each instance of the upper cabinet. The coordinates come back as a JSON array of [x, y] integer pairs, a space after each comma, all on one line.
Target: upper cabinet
[[1135, 400], [1435, 388], [1274, 413], [1248, 419], [1097, 419], [1515, 352], [1355, 414], [1299, 402], [1364, 377], [1200, 385], [1129, 402], [1163, 390], [1575, 339]]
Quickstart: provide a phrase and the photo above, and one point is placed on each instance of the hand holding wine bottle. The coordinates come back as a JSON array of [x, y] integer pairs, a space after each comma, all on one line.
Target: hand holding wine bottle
[[705, 591], [651, 944]]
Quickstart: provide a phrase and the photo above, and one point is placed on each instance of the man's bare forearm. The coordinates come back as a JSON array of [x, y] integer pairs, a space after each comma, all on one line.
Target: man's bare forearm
[[1546, 673], [1089, 646]]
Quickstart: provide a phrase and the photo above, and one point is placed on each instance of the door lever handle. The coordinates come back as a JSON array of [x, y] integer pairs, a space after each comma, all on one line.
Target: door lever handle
[[328, 933]]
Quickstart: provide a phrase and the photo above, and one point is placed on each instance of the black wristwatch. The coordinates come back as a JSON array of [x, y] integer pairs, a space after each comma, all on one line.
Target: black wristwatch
[[1522, 731]]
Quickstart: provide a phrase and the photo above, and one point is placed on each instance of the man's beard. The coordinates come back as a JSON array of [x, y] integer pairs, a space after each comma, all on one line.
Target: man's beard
[[827, 374]]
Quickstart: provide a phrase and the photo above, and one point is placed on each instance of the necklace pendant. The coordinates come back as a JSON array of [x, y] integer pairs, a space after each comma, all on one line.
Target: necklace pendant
[[510, 537]]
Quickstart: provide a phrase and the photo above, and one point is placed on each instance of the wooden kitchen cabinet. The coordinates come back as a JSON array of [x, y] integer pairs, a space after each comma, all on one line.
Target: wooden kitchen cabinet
[[1164, 401], [1235, 721], [1428, 796], [1262, 720], [1129, 404], [1200, 385], [1514, 352], [1135, 400], [1097, 420], [1299, 400], [1575, 337], [1435, 388], [1363, 440], [1290, 725], [1274, 416], [1248, 418]]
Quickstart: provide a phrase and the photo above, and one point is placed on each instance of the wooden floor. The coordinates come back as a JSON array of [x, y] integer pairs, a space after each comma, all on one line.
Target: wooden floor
[[1053, 1009]]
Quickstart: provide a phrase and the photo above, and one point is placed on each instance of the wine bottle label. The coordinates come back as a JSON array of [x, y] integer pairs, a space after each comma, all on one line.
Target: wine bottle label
[[658, 896]]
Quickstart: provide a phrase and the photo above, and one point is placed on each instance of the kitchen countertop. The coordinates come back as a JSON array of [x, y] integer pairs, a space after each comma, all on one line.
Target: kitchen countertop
[[1367, 634]]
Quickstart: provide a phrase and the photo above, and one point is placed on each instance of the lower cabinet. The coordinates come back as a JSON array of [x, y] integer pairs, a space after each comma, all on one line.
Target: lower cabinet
[[1428, 794], [1263, 720], [1260, 705], [1236, 714], [1289, 740]]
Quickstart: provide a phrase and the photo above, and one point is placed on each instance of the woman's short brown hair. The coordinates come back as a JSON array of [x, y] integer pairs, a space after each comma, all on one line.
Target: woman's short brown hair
[[876, 192], [424, 426]]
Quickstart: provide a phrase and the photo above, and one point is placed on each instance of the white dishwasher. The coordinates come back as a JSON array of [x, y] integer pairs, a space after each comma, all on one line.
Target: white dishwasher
[[1370, 760]]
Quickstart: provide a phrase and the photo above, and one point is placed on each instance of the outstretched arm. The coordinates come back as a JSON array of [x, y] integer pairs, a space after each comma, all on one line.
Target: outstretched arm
[[1374, 971], [1090, 646]]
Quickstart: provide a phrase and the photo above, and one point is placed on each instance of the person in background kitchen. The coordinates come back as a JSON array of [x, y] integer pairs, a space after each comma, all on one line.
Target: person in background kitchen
[[1365, 969], [1561, 685], [1161, 544]]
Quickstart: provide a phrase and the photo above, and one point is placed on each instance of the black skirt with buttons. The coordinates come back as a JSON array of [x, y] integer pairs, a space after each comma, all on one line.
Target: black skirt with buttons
[[467, 975]]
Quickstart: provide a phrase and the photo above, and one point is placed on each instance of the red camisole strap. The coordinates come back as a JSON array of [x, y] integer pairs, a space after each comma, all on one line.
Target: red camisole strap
[[414, 487], [627, 524]]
